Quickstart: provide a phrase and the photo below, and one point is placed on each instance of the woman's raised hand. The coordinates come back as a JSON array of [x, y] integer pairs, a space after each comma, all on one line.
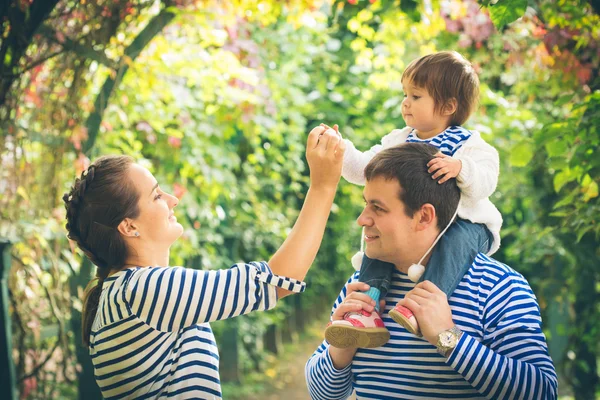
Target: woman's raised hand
[[325, 153]]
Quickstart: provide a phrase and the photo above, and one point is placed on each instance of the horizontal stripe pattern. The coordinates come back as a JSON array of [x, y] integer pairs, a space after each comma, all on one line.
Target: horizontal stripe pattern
[[151, 337], [502, 355], [448, 141]]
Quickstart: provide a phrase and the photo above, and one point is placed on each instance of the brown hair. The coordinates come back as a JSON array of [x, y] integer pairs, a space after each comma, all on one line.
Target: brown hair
[[446, 75], [96, 204], [407, 163]]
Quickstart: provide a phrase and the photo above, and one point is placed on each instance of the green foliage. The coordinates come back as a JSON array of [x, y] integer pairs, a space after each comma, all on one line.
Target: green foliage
[[218, 106], [503, 12]]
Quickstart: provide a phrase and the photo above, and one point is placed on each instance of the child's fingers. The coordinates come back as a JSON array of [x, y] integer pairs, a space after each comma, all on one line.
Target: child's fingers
[[436, 163], [440, 172], [435, 166], [445, 178]]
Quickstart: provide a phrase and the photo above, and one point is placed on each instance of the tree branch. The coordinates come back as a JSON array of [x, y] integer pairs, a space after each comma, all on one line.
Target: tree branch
[[154, 27], [70, 44]]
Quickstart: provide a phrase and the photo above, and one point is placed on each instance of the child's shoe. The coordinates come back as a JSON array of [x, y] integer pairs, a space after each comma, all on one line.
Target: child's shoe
[[357, 329], [406, 318]]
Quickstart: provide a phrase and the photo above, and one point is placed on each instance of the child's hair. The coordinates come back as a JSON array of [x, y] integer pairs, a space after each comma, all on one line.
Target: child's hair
[[446, 75]]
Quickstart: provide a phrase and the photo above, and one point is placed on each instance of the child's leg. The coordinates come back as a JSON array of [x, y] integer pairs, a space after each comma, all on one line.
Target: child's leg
[[455, 253], [361, 328], [450, 261], [378, 275]]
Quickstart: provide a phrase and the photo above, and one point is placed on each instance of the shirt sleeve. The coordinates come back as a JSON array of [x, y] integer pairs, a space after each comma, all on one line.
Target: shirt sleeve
[[173, 298], [512, 361], [324, 381], [478, 176], [355, 161]]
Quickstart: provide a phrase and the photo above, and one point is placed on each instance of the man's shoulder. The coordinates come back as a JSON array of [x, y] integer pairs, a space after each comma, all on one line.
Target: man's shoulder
[[494, 271]]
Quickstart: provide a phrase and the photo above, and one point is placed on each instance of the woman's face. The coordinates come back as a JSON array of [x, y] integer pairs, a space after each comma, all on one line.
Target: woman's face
[[156, 223]]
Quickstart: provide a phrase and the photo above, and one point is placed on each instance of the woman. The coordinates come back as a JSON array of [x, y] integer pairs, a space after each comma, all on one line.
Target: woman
[[147, 324]]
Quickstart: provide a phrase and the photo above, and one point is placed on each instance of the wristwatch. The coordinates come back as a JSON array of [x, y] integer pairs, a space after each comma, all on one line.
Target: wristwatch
[[448, 340]]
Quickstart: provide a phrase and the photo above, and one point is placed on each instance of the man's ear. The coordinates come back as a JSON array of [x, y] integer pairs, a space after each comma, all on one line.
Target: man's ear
[[450, 107], [426, 216], [127, 228]]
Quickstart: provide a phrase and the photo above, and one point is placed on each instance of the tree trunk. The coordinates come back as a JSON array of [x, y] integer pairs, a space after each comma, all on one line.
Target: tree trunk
[[12, 48]]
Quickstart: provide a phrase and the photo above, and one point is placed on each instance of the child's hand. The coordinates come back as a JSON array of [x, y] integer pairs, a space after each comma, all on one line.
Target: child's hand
[[446, 167]]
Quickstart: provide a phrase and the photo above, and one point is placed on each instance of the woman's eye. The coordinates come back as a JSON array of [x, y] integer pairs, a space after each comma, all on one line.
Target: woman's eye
[[158, 196]]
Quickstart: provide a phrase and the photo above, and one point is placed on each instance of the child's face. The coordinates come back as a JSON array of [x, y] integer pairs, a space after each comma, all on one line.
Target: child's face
[[418, 111]]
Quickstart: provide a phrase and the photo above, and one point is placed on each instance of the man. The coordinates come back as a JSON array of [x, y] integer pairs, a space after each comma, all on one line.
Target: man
[[485, 341]]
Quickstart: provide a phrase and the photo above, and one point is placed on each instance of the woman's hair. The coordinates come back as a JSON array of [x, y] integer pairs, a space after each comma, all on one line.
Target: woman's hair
[[96, 204], [446, 75]]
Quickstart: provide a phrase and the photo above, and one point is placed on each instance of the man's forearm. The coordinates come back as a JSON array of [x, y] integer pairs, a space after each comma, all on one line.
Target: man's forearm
[[341, 357]]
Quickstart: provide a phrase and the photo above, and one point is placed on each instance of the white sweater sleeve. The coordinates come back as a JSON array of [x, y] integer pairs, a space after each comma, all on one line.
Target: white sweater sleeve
[[355, 161], [480, 168]]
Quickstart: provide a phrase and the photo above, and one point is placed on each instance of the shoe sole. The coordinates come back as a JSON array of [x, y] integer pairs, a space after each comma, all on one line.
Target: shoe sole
[[344, 337], [402, 320]]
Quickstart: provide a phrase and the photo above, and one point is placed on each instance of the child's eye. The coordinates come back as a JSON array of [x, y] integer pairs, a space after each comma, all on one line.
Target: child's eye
[[377, 209], [416, 97]]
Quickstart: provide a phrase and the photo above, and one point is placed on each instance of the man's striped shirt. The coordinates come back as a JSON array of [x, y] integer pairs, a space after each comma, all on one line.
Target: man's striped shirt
[[151, 338], [501, 355]]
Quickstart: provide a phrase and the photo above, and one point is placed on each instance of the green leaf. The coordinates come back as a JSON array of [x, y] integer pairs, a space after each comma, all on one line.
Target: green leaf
[[556, 148], [589, 188], [506, 11], [562, 178], [521, 154]]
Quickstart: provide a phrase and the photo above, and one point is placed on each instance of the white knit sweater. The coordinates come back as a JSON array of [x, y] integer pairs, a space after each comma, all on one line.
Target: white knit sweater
[[477, 179]]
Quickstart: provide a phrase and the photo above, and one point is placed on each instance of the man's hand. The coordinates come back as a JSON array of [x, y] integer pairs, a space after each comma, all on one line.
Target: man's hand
[[355, 301], [444, 166], [431, 309]]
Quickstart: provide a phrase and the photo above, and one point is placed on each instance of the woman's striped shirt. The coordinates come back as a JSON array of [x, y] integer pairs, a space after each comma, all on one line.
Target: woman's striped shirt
[[151, 337], [502, 354]]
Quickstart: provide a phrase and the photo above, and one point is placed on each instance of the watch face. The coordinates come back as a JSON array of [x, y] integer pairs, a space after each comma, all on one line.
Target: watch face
[[448, 339]]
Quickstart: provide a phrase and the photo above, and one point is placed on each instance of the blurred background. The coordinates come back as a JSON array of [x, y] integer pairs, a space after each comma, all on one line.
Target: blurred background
[[216, 98]]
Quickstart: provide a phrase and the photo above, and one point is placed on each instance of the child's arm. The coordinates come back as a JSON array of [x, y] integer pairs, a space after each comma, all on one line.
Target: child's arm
[[475, 166], [355, 161], [478, 176]]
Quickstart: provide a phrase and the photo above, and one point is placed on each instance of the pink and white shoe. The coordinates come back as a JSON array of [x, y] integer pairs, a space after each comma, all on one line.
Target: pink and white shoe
[[357, 329], [406, 318]]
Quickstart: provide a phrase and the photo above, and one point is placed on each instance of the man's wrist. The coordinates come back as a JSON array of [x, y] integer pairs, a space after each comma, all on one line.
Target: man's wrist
[[448, 340], [341, 358]]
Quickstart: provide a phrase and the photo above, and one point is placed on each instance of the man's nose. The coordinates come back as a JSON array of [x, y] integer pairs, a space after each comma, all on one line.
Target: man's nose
[[364, 219]]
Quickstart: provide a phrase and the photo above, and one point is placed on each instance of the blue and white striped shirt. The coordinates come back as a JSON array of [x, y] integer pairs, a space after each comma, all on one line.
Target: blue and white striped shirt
[[151, 337], [501, 355], [448, 141]]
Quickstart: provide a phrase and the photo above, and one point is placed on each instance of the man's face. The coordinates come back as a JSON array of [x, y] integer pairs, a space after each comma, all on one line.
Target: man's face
[[389, 232]]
